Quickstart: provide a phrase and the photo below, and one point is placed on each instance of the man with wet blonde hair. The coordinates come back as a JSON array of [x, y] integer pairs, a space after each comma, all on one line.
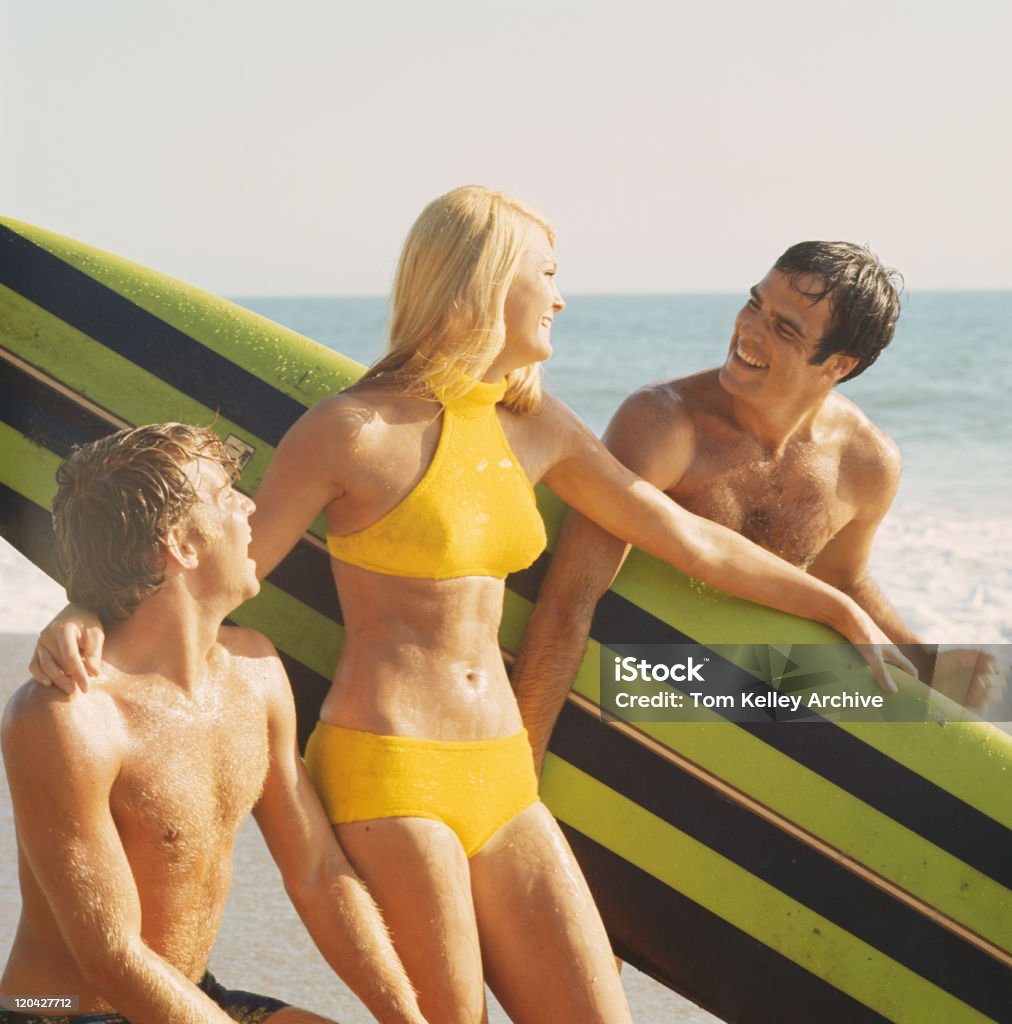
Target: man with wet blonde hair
[[115, 503], [128, 796]]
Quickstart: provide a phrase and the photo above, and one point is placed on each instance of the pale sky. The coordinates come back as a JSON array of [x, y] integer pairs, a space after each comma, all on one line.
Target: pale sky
[[285, 149]]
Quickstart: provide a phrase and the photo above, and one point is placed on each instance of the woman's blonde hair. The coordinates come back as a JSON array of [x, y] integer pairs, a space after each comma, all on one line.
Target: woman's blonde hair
[[447, 325]]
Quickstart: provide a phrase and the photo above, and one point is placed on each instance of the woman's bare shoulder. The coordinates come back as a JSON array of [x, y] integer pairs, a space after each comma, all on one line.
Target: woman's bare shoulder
[[550, 434], [360, 419], [551, 414]]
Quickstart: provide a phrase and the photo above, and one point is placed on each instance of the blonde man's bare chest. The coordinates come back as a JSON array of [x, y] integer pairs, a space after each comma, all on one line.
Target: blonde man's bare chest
[[192, 770]]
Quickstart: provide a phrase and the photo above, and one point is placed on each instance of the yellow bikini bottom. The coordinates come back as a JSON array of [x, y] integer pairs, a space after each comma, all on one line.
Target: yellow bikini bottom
[[473, 786]]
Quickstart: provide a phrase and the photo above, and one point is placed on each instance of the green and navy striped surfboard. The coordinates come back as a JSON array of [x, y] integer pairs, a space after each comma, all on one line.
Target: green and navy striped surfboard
[[823, 872]]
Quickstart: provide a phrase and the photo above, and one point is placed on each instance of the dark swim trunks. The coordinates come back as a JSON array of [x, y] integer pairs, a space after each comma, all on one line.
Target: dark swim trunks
[[244, 1007]]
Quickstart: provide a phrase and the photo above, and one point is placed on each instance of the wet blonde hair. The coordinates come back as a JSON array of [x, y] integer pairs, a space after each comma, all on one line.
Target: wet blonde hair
[[455, 270], [116, 501]]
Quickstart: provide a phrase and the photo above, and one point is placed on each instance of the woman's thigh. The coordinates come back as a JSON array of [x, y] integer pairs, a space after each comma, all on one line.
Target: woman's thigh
[[547, 957], [417, 872]]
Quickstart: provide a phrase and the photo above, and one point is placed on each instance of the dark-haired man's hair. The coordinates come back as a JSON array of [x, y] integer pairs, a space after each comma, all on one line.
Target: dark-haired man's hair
[[117, 500], [864, 297]]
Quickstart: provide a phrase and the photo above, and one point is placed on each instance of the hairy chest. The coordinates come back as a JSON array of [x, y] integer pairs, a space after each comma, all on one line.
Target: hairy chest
[[188, 781], [790, 504]]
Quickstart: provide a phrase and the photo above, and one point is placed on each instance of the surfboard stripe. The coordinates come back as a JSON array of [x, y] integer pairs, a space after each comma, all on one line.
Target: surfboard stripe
[[135, 334], [26, 525], [33, 408], [796, 869], [747, 902], [843, 759], [951, 756], [293, 627], [38, 412], [730, 757], [717, 965], [305, 574], [265, 348], [904, 848], [104, 381], [27, 466], [805, 800], [902, 794]]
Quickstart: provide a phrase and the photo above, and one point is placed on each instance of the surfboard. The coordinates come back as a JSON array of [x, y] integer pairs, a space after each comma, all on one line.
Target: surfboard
[[831, 870]]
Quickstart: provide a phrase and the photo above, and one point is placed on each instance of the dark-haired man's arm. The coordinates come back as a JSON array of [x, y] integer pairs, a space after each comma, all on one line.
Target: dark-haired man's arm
[[872, 473], [587, 559], [585, 562]]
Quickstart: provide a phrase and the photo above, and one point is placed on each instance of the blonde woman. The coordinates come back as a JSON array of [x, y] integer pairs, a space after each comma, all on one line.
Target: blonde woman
[[424, 471]]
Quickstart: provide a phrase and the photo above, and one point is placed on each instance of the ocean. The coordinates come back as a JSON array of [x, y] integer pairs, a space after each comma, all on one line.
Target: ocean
[[943, 555]]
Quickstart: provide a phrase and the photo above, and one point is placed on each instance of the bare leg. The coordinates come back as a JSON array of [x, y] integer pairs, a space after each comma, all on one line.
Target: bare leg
[[547, 957], [418, 873]]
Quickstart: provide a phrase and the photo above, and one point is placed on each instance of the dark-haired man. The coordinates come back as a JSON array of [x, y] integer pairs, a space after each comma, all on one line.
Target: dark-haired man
[[762, 445], [128, 796]]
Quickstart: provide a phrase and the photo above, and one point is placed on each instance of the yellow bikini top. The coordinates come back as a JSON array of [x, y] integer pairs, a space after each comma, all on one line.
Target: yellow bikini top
[[473, 513]]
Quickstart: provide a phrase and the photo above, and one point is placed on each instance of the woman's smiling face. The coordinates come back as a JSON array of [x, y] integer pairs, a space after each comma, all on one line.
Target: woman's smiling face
[[531, 304]]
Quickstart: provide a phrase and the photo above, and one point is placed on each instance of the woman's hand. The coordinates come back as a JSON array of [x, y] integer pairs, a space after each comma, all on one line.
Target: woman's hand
[[69, 650]]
